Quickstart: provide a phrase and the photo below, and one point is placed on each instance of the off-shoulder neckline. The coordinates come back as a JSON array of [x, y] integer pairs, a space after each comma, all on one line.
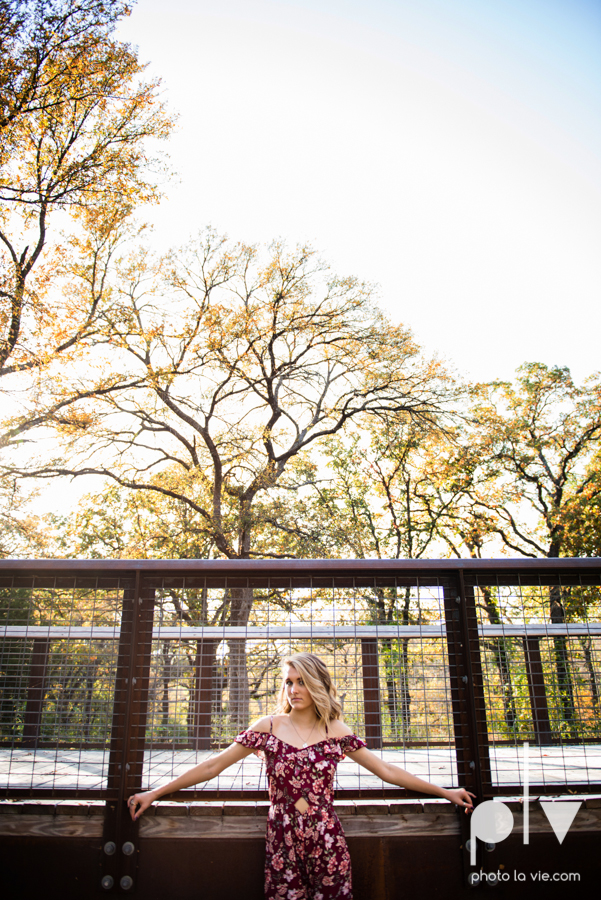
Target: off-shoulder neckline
[[308, 747]]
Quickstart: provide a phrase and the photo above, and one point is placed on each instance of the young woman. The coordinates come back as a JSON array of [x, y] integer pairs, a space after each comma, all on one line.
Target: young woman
[[307, 855]]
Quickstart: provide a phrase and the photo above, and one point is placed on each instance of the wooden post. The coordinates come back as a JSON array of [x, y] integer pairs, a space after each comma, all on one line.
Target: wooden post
[[371, 693], [35, 693], [538, 694], [202, 696]]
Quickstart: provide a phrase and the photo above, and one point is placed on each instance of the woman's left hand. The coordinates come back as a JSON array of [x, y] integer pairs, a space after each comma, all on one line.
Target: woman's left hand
[[461, 797], [142, 800]]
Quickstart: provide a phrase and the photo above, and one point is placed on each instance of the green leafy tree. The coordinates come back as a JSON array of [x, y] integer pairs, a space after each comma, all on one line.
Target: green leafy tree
[[530, 468], [241, 365], [76, 117], [376, 495]]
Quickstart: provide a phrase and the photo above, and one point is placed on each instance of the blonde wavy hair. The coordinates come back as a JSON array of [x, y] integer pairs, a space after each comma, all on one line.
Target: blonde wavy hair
[[318, 682]]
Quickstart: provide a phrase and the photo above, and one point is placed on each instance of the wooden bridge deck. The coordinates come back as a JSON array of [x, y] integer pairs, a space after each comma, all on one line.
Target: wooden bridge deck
[[65, 769]]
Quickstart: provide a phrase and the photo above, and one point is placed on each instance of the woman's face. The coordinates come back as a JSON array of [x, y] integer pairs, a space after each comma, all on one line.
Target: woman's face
[[297, 694]]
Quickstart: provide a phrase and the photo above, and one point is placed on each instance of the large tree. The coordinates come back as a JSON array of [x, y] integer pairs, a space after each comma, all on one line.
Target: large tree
[[44, 41], [535, 441], [528, 470], [382, 503], [383, 495], [242, 364], [519, 473], [75, 118]]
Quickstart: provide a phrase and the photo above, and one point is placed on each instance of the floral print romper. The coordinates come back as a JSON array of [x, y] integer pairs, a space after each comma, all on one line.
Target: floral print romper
[[307, 855]]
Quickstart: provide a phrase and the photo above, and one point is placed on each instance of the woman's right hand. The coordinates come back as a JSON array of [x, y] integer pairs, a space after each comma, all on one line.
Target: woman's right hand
[[138, 803]]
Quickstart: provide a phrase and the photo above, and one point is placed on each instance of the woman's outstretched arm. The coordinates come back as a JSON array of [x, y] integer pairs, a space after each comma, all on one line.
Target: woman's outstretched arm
[[206, 770], [395, 775]]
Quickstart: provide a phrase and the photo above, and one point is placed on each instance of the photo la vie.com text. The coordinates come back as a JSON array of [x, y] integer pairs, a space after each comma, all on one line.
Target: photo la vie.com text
[[492, 822], [502, 875]]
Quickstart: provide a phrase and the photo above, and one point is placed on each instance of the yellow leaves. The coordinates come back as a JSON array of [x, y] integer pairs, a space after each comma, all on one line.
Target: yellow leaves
[[75, 421], [237, 362], [73, 156]]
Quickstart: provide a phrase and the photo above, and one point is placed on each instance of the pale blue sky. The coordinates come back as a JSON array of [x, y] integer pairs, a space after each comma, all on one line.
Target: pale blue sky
[[447, 149]]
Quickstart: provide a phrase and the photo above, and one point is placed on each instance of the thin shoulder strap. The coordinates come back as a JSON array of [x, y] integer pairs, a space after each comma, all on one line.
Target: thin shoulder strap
[[326, 729], [271, 726]]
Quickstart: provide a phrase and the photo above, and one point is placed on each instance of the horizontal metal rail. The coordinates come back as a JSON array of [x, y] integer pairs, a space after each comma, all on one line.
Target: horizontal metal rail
[[259, 632], [281, 568]]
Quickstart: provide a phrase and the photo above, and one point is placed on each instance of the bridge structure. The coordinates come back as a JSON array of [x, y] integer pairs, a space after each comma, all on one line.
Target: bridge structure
[[117, 675]]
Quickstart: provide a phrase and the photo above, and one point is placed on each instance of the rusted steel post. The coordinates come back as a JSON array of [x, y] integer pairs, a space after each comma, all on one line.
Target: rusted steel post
[[538, 694], [202, 697], [467, 690], [467, 699], [128, 735], [32, 720], [371, 693]]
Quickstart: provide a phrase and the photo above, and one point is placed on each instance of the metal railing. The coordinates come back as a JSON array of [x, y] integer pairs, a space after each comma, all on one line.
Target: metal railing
[[116, 674]]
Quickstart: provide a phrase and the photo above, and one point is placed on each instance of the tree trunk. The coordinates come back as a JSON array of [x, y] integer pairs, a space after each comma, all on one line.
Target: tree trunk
[[239, 693], [501, 658], [88, 711], [398, 699], [562, 664], [391, 692], [590, 668], [404, 671], [202, 694], [405, 694], [166, 679]]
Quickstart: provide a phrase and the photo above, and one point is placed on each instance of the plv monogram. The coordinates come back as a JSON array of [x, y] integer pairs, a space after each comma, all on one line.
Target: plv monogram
[[492, 821]]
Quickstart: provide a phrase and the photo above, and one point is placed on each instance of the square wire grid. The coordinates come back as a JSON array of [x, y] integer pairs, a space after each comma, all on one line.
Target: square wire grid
[[58, 661], [540, 648], [539, 644], [208, 684]]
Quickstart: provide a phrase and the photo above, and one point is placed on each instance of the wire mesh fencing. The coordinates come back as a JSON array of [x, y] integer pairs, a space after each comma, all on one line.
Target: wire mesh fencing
[[115, 678], [58, 660], [540, 648]]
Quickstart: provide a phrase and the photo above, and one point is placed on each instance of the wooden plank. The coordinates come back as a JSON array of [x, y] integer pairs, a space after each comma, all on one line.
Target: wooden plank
[[586, 820], [473, 764], [231, 827], [44, 826], [223, 828], [227, 828], [409, 825]]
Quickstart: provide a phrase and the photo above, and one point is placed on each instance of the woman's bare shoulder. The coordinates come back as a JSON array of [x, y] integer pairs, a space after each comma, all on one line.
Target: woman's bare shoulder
[[338, 729], [263, 724]]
